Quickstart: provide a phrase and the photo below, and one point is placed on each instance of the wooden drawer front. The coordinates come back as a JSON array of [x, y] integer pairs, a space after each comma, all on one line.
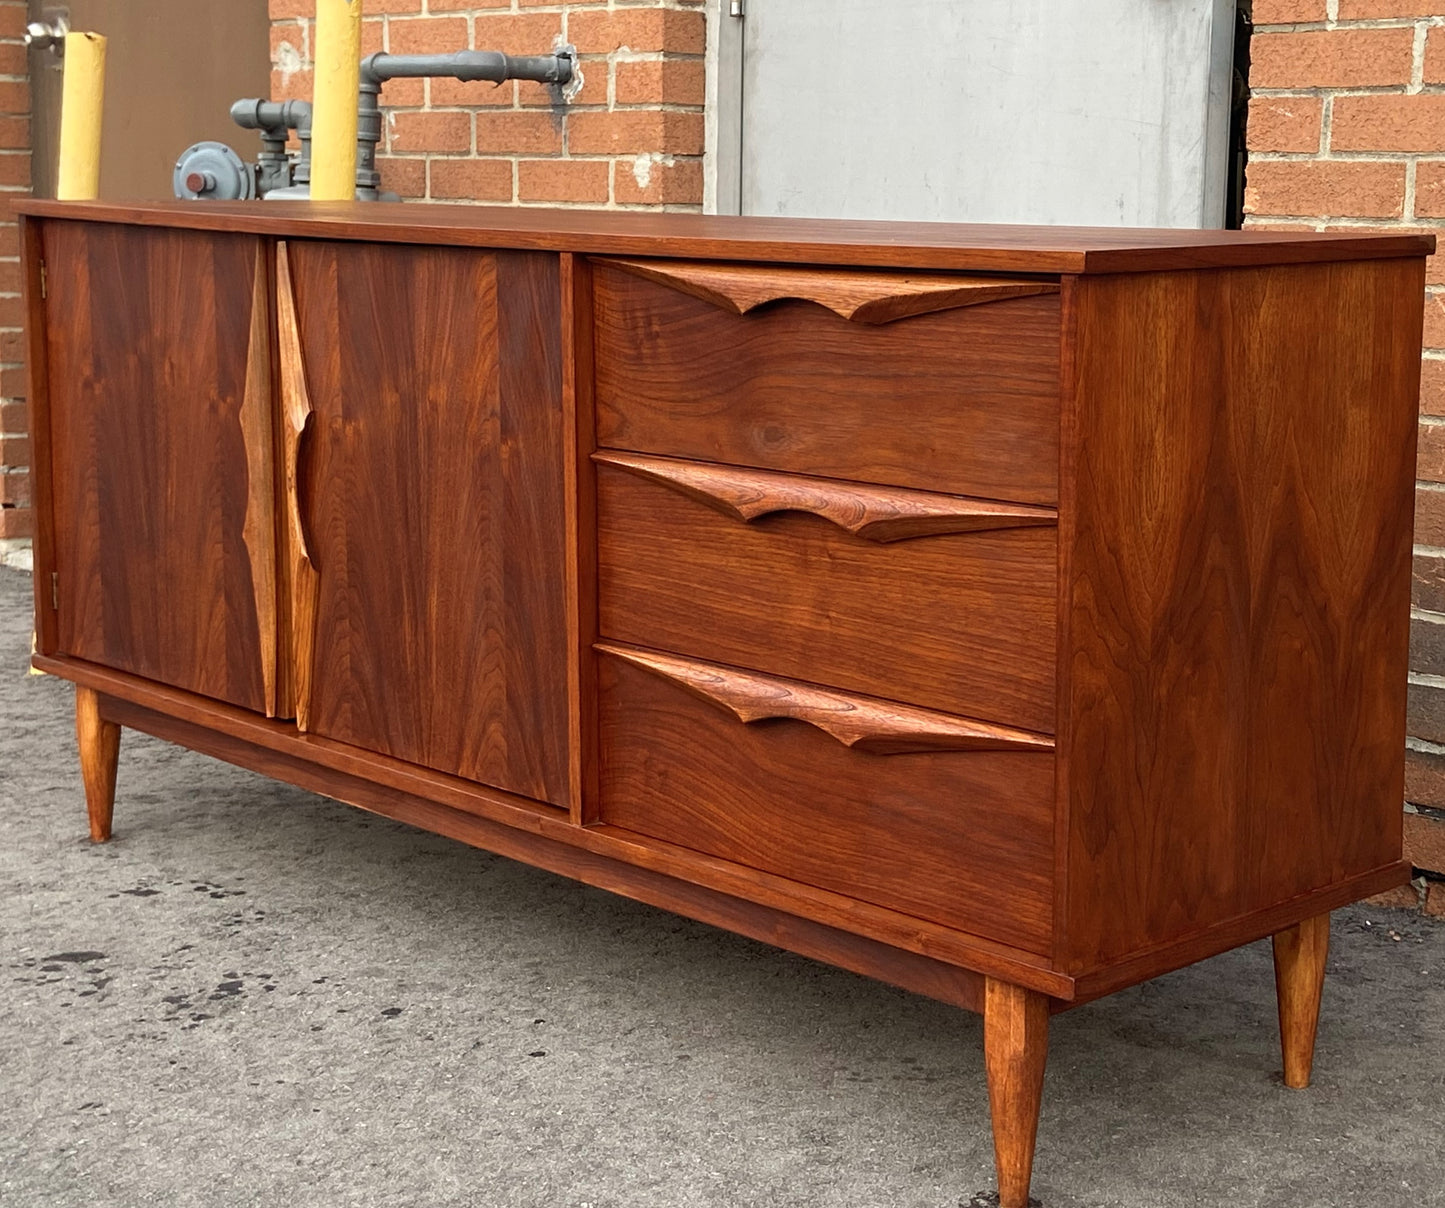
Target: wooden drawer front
[[760, 367], [944, 602], [942, 819]]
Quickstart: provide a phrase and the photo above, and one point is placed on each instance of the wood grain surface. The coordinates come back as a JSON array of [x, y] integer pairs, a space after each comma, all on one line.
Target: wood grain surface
[[1235, 932], [37, 398], [862, 297], [580, 441], [881, 514], [299, 583], [962, 839], [964, 622], [935, 246], [1300, 953], [98, 741], [877, 727], [1238, 593], [1015, 1051], [437, 511], [964, 402], [258, 420], [148, 342]]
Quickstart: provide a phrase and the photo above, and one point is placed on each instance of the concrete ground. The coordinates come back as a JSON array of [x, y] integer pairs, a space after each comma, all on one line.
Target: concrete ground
[[254, 996]]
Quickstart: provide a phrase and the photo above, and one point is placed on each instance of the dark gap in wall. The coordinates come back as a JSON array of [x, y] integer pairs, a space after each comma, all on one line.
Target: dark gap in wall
[[1239, 116]]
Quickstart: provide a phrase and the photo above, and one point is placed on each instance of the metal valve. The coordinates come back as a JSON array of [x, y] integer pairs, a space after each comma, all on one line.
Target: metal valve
[[49, 35]]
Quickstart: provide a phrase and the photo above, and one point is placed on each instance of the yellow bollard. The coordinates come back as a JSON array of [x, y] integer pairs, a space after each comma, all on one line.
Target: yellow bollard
[[333, 122], [82, 97]]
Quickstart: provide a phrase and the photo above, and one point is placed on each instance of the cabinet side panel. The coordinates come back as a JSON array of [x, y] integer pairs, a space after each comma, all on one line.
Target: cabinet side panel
[[148, 340], [1238, 593]]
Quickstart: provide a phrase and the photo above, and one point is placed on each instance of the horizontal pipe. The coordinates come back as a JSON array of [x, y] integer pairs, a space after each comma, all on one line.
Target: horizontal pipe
[[467, 65], [256, 114]]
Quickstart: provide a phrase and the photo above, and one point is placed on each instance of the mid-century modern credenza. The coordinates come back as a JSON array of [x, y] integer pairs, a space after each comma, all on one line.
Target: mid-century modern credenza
[[1010, 614]]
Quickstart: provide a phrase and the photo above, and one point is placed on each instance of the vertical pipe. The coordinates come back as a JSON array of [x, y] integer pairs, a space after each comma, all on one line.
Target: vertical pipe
[[333, 120], [81, 97]]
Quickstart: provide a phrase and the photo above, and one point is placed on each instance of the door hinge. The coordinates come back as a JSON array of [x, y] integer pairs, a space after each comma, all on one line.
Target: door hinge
[[55, 590], [735, 8], [44, 282]]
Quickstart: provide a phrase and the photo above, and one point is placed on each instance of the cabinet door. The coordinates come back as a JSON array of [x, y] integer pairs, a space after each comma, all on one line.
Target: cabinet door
[[431, 487], [160, 434]]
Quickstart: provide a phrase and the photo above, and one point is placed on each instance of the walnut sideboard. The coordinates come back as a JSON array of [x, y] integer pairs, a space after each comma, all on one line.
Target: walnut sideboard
[[1009, 614]]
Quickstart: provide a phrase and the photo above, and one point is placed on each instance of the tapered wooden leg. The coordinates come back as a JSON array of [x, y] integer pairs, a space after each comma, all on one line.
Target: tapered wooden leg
[[1015, 1048], [1299, 979], [99, 753]]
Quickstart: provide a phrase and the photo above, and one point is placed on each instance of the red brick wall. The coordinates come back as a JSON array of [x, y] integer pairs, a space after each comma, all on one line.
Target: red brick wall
[[631, 136], [1347, 129], [14, 180]]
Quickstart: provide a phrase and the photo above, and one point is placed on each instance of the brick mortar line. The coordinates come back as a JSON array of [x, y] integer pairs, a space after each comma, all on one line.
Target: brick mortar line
[[1307, 91], [1328, 224], [583, 157], [1348, 25], [481, 110], [1345, 157], [591, 107]]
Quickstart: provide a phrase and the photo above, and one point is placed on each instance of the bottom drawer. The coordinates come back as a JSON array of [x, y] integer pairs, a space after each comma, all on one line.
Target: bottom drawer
[[939, 817]]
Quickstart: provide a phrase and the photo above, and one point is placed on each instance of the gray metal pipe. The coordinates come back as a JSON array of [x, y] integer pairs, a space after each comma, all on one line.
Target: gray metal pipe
[[465, 65], [275, 120], [256, 114]]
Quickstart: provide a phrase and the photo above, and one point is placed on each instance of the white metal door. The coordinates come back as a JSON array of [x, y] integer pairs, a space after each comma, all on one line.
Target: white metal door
[[1109, 112]]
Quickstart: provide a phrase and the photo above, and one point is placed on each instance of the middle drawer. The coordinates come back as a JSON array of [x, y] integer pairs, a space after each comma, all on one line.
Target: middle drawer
[[933, 600]]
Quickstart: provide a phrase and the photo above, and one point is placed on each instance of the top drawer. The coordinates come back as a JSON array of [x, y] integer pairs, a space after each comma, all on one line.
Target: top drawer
[[945, 383]]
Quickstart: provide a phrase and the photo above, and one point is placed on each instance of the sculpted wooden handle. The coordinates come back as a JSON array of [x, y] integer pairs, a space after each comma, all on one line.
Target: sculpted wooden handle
[[862, 723], [259, 530], [296, 420], [874, 513], [860, 296]]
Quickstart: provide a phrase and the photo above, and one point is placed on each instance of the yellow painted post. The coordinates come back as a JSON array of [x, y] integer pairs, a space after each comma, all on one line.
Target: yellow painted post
[[81, 102], [338, 79]]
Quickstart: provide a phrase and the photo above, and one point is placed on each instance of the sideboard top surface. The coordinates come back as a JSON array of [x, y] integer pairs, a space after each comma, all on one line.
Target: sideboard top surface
[[901, 245]]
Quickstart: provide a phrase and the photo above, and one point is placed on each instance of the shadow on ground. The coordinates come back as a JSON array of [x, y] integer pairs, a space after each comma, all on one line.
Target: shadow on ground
[[255, 996]]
